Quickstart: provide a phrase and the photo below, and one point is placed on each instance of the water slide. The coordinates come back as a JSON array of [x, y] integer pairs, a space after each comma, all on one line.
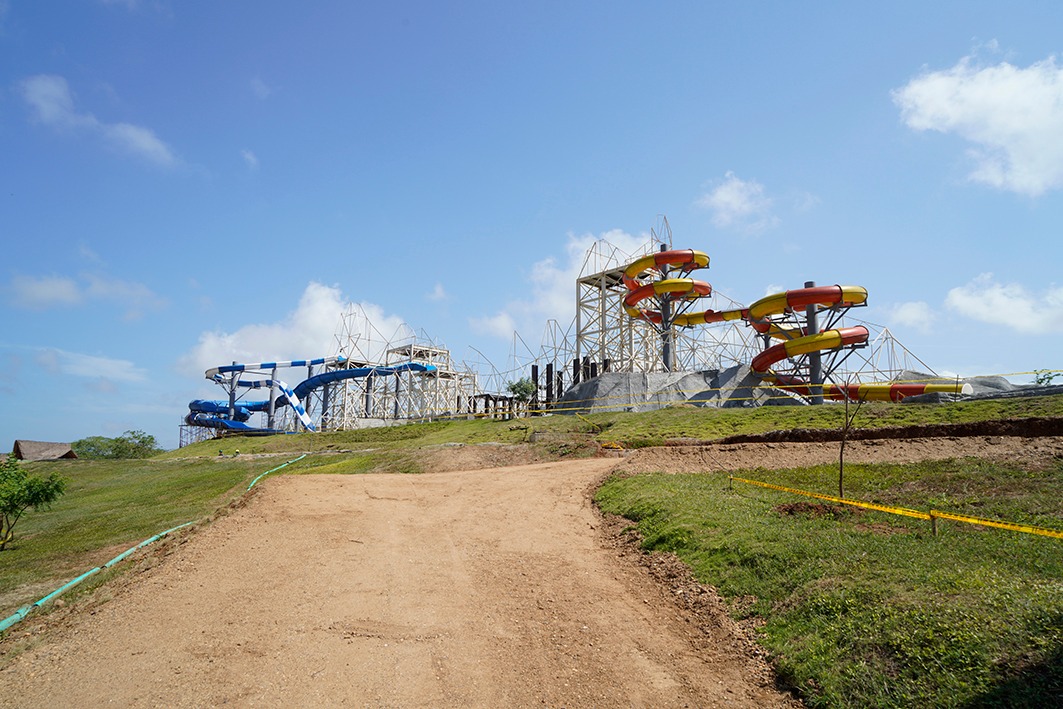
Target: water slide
[[683, 261], [215, 414], [795, 342]]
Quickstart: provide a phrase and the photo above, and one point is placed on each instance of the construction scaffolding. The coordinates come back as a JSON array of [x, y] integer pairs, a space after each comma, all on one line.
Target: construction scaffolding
[[604, 338], [448, 389], [405, 376]]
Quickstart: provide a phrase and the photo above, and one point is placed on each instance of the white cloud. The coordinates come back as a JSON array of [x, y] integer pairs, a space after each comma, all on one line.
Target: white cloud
[[915, 314], [41, 293], [306, 333], [75, 364], [1010, 305], [52, 104], [137, 297], [250, 158], [45, 292], [260, 89], [772, 289], [500, 325], [1012, 116], [49, 97], [552, 284], [139, 141], [738, 203], [438, 293]]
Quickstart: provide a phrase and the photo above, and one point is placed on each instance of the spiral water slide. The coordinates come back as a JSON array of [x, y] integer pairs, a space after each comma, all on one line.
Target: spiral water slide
[[795, 342], [215, 414]]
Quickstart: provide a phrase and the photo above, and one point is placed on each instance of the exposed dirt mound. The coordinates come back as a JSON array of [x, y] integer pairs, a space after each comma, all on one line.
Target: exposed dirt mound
[[1023, 428], [703, 457], [813, 509]]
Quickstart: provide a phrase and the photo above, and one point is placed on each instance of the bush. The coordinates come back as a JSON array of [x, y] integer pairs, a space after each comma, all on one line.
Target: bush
[[131, 444]]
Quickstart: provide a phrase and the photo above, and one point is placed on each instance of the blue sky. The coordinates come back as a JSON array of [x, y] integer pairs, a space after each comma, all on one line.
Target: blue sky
[[187, 183]]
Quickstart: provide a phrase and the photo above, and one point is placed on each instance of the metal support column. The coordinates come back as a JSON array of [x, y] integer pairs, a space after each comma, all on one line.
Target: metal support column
[[815, 360]]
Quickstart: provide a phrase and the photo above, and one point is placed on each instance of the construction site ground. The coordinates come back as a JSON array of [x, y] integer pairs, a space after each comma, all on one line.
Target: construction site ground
[[474, 585]]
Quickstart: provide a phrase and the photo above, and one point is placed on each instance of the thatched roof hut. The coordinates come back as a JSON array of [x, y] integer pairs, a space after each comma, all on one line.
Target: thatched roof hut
[[42, 450]]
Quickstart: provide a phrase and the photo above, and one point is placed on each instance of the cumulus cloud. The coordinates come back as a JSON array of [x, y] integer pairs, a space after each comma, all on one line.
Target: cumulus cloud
[[1011, 116], [44, 292], [740, 204], [915, 314], [1011, 305], [307, 332], [552, 283], [52, 104]]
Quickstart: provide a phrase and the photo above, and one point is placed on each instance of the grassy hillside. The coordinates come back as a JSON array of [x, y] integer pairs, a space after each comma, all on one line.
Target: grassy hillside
[[112, 505], [863, 608], [647, 428]]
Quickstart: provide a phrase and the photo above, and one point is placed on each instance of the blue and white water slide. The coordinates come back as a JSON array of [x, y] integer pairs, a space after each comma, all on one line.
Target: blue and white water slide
[[216, 414]]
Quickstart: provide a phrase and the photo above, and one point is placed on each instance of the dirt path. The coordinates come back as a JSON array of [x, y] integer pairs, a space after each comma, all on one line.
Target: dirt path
[[477, 588]]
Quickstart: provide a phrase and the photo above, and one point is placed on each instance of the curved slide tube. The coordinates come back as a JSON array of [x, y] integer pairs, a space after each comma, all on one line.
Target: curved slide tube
[[684, 261], [829, 340], [337, 375], [213, 372], [214, 414], [874, 391], [200, 415], [891, 392], [796, 341]]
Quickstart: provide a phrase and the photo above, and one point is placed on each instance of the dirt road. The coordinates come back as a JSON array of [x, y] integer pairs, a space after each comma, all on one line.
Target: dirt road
[[476, 588]]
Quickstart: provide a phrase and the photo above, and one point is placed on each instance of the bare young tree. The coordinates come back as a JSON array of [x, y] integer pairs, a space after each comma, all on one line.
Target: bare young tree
[[850, 416]]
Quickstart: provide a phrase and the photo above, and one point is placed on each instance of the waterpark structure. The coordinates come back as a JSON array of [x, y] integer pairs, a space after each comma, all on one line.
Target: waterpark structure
[[641, 338], [805, 321], [372, 380]]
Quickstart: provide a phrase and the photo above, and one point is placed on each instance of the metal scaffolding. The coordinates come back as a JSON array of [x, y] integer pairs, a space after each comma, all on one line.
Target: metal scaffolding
[[450, 389], [602, 337]]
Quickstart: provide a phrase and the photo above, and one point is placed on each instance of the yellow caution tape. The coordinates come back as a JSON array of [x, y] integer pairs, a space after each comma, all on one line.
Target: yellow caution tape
[[855, 503], [1027, 528]]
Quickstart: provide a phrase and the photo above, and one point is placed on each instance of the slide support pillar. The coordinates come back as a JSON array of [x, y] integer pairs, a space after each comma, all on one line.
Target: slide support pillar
[[232, 394], [667, 338], [815, 360], [272, 398]]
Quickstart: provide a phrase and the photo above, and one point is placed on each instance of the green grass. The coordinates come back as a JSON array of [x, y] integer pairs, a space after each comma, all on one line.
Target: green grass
[[109, 506], [633, 430], [869, 609], [808, 577], [369, 440], [656, 427]]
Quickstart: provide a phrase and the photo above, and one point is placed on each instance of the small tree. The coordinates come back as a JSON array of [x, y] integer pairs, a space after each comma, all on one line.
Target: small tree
[[19, 491], [94, 447], [135, 444], [847, 425], [522, 389]]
